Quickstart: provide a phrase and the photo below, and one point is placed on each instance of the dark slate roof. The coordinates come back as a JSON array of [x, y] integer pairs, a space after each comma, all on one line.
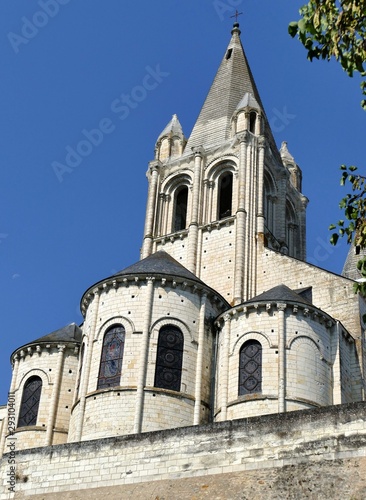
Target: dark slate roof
[[232, 81], [280, 293], [69, 333], [159, 263]]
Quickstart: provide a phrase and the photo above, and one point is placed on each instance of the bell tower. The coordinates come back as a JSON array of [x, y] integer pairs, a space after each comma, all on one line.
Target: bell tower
[[218, 198]]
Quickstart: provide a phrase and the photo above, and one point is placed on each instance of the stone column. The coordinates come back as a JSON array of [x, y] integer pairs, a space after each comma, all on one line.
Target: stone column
[[160, 225], [55, 395], [225, 366], [302, 223], [240, 223], [10, 395], [193, 226], [199, 362], [205, 201], [281, 205], [211, 187], [143, 356], [260, 208], [85, 371], [248, 247], [281, 357], [150, 209]]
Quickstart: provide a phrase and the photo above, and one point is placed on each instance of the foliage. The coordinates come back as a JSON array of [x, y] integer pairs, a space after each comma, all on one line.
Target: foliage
[[335, 28], [354, 227]]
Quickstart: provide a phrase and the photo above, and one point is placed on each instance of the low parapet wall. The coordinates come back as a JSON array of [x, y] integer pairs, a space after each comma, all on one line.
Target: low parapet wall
[[331, 439]]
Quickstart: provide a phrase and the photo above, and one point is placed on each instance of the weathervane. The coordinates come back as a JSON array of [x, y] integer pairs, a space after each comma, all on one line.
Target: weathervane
[[236, 15]]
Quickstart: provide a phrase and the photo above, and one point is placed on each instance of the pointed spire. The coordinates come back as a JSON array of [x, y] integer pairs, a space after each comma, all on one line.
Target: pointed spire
[[171, 141], [285, 154], [232, 81], [289, 162], [173, 127]]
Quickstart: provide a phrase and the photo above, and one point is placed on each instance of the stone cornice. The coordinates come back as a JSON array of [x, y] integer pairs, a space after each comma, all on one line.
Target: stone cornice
[[159, 279], [291, 307], [37, 348]]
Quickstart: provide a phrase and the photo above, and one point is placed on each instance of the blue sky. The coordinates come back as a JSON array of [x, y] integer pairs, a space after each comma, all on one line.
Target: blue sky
[[64, 68]]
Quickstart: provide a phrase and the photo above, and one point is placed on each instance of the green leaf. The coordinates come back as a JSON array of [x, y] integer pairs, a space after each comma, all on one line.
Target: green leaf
[[334, 238], [292, 28]]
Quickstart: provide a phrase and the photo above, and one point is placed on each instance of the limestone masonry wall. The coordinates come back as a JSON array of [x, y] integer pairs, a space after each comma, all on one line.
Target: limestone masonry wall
[[331, 293], [307, 440]]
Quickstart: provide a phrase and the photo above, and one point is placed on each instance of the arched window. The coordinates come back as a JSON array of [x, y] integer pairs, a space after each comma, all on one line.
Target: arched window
[[169, 358], [291, 229], [180, 213], [252, 120], [225, 195], [250, 368], [112, 356], [269, 203], [30, 402]]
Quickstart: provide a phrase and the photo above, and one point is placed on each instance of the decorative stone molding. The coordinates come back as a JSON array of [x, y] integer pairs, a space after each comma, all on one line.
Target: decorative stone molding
[[243, 136]]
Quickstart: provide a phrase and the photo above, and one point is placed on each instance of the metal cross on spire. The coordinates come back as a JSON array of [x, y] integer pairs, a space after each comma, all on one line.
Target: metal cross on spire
[[236, 15]]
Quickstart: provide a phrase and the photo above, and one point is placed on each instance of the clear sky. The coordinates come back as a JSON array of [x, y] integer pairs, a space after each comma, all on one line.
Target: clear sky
[[66, 66]]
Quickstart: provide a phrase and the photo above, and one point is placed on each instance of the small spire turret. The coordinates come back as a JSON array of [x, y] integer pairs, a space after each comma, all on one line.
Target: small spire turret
[[171, 141]]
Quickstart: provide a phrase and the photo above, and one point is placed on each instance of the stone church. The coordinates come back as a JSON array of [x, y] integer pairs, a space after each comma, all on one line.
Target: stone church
[[221, 329]]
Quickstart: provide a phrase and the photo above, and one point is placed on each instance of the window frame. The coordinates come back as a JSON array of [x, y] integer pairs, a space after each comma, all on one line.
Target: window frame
[[244, 375], [168, 371], [105, 382], [23, 412]]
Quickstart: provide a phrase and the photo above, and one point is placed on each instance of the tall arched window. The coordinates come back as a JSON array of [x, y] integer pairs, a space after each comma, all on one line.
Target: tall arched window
[[112, 355], [180, 212], [225, 195], [30, 402], [252, 120], [169, 358], [250, 368], [291, 229], [269, 203]]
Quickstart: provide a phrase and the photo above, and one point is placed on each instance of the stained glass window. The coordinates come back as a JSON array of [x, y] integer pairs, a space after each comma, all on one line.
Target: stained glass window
[[30, 402], [112, 356], [169, 358], [250, 368]]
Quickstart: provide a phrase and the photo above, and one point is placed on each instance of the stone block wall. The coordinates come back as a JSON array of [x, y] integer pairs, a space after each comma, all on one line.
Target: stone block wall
[[319, 446], [331, 293], [112, 411], [43, 361]]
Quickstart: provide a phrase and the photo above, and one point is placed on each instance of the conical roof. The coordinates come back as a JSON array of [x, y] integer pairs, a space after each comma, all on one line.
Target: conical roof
[[233, 80], [285, 154], [280, 293], [69, 333], [159, 263], [350, 266], [248, 101], [174, 127]]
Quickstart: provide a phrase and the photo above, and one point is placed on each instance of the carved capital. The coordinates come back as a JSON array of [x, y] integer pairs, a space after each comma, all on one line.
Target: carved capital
[[261, 142], [243, 136], [281, 306], [154, 166], [198, 151]]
